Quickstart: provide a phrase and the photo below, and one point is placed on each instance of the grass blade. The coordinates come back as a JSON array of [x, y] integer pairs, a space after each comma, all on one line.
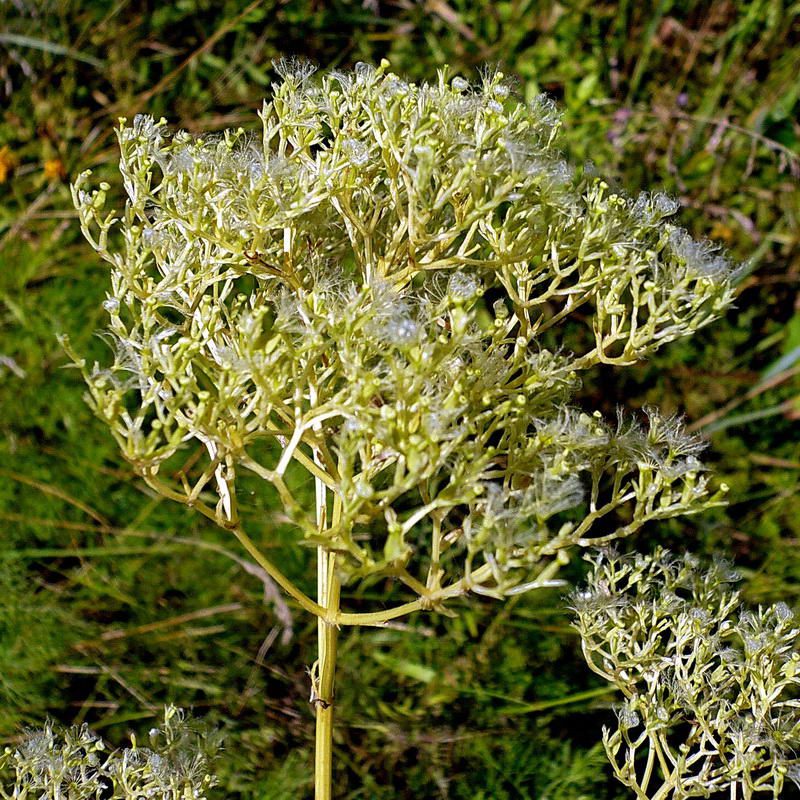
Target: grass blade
[[45, 46]]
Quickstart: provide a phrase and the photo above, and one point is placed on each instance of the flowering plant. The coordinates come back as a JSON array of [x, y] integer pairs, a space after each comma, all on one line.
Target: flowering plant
[[365, 294], [712, 691], [51, 765]]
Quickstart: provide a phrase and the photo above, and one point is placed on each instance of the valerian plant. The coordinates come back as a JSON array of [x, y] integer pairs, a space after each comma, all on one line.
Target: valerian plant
[[75, 763], [712, 690], [363, 293]]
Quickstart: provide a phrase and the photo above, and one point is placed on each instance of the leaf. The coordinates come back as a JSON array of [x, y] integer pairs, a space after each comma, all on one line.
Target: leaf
[[417, 672], [542, 705], [586, 88], [785, 362], [749, 416], [791, 350], [50, 47]]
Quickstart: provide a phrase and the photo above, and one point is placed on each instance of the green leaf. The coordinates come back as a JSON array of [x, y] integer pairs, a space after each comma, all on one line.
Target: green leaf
[[542, 705], [417, 672], [50, 47], [785, 362]]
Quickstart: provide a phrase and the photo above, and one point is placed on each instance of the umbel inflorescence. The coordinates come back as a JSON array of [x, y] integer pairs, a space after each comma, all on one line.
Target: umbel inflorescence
[[712, 690], [76, 764], [364, 292]]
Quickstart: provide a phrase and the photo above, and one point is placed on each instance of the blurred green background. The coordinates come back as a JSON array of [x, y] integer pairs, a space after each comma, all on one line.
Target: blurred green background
[[113, 602]]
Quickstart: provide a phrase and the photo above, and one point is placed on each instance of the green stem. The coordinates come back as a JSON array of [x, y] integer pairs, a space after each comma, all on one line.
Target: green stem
[[306, 602], [324, 674], [285, 583], [325, 678], [648, 771], [378, 618]]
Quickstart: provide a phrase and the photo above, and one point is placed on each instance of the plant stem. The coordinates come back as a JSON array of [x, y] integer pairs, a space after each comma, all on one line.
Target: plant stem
[[285, 583], [327, 633], [323, 680]]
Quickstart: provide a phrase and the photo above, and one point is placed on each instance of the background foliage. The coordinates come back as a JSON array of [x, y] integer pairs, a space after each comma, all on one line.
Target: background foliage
[[114, 603]]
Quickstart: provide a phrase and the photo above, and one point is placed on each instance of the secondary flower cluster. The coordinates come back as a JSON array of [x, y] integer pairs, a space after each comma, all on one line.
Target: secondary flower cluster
[[712, 690], [363, 292], [74, 764]]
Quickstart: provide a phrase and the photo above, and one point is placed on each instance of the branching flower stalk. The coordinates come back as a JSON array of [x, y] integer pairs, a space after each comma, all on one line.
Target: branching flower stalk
[[712, 690], [76, 764], [364, 294]]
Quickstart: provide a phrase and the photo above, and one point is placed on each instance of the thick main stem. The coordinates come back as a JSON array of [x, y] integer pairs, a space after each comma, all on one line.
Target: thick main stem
[[323, 677], [327, 633]]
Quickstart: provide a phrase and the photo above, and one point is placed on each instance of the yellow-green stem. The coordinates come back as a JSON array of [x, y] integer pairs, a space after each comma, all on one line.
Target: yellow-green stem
[[324, 675], [324, 690]]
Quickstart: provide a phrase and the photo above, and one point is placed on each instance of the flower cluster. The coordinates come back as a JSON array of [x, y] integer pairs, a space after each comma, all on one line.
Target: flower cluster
[[712, 690], [361, 292], [74, 763]]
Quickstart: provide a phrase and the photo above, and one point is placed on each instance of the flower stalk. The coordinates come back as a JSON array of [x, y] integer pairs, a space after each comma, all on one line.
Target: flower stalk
[[323, 674], [325, 677], [711, 688]]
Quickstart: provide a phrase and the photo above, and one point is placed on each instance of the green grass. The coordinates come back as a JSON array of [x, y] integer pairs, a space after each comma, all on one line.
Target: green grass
[[110, 608]]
